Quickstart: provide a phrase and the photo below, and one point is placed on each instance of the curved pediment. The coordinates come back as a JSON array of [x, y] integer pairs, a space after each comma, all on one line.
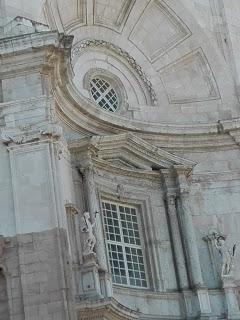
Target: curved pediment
[[129, 152]]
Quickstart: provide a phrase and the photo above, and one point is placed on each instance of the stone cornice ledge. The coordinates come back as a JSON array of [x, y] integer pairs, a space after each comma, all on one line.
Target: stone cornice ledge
[[125, 144], [29, 41], [104, 309], [232, 127], [77, 110]]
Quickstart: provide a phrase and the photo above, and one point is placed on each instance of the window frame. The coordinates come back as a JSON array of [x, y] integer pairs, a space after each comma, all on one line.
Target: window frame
[[115, 83], [124, 245], [103, 95]]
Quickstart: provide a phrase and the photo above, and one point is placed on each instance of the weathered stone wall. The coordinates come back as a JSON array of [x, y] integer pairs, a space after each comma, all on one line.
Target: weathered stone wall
[[35, 286], [176, 66]]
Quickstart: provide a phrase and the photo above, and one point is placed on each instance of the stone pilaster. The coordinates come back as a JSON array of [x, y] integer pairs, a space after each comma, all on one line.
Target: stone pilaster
[[92, 205], [188, 229], [170, 198], [190, 241], [101, 276]]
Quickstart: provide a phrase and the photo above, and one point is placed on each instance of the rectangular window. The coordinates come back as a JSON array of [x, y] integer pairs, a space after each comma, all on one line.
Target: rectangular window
[[124, 245]]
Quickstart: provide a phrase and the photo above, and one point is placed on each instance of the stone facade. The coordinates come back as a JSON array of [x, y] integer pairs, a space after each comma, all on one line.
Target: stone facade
[[119, 160]]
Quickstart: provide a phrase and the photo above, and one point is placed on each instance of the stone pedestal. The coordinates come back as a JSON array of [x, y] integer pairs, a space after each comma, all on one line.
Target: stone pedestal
[[204, 304], [230, 293], [90, 287]]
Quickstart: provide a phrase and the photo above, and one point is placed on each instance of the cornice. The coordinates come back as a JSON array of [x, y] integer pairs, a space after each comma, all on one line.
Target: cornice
[[104, 309], [18, 44], [128, 145], [79, 113]]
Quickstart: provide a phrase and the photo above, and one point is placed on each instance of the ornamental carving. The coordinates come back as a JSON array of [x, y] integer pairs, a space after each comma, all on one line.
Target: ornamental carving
[[227, 252], [90, 239], [27, 134], [91, 43]]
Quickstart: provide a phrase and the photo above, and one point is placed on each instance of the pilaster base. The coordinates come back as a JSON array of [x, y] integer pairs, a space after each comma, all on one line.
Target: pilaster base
[[204, 303], [90, 282], [229, 287]]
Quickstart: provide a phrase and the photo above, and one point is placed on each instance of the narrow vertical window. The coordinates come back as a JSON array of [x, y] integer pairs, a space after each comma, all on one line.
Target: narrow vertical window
[[124, 245]]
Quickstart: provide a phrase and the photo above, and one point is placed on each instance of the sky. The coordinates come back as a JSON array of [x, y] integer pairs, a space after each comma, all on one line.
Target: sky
[[31, 9]]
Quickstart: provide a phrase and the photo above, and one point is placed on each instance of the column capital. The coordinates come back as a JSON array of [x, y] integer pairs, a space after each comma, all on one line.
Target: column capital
[[182, 170], [183, 174]]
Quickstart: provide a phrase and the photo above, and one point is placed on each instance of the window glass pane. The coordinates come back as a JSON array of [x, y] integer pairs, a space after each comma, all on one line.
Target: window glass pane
[[135, 265], [124, 245], [111, 222], [104, 94], [117, 263], [129, 225]]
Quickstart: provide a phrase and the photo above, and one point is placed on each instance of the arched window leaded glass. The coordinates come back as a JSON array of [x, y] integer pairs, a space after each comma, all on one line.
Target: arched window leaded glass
[[104, 94]]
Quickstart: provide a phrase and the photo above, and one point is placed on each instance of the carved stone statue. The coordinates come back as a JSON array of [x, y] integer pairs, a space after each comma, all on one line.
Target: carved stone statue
[[227, 253], [90, 241]]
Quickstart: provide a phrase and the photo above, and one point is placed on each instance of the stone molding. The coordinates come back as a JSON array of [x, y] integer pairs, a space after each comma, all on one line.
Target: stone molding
[[15, 45], [193, 59], [181, 33], [94, 43], [115, 146], [122, 15], [105, 309], [23, 135]]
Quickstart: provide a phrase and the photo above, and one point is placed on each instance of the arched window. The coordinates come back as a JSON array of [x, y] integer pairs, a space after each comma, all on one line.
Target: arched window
[[104, 94]]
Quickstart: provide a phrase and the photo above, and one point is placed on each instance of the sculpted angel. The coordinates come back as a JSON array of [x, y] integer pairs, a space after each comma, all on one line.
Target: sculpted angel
[[227, 253], [90, 240]]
